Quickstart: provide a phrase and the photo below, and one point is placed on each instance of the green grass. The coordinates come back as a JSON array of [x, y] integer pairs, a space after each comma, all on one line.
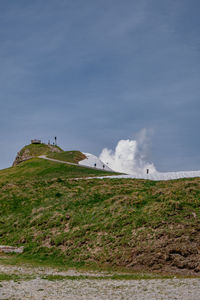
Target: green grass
[[40, 169], [69, 156], [14, 277], [95, 223], [7, 277]]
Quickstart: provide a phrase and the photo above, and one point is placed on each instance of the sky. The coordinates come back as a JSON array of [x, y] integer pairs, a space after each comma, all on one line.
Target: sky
[[94, 72]]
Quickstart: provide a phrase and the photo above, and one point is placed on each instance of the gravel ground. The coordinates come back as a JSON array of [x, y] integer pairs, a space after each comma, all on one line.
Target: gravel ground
[[91, 289], [102, 289]]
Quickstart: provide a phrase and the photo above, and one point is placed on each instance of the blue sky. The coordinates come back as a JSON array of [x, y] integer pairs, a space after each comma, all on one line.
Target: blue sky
[[94, 72]]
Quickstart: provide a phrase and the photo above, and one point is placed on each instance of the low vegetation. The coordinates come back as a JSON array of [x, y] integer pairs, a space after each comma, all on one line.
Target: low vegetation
[[69, 156], [39, 169], [119, 223], [14, 277], [38, 149]]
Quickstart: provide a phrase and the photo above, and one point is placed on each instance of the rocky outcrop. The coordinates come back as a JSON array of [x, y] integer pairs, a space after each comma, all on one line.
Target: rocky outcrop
[[53, 148], [11, 249], [22, 156]]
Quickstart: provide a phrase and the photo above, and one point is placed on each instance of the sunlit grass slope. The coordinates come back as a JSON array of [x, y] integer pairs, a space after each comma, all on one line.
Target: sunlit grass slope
[[69, 156], [136, 224], [41, 169]]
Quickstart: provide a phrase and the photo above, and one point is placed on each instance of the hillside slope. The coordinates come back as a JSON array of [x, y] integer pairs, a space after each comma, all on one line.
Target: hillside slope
[[81, 158], [134, 224], [68, 156]]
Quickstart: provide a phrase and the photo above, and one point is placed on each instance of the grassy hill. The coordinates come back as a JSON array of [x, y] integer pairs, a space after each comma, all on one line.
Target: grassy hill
[[126, 223]]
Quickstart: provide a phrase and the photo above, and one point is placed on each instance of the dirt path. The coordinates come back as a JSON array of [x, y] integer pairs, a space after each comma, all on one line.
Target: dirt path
[[91, 289]]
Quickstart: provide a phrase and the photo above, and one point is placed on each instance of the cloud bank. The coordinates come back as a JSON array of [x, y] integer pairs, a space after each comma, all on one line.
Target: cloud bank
[[129, 156]]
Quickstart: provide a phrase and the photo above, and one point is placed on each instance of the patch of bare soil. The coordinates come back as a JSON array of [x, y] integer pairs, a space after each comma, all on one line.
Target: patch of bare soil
[[175, 250]]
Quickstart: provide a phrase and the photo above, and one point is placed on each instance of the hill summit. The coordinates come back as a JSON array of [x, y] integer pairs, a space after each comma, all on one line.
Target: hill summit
[[34, 150]]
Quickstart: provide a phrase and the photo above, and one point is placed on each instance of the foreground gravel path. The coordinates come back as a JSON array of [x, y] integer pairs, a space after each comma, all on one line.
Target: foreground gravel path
[[102, 289], [91, 289]]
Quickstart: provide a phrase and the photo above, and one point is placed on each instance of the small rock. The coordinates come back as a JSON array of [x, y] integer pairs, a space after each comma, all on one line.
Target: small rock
[[10, 249]]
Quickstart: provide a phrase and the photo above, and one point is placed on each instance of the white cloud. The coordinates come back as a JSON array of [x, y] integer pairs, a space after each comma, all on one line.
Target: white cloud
[[129, 156]]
